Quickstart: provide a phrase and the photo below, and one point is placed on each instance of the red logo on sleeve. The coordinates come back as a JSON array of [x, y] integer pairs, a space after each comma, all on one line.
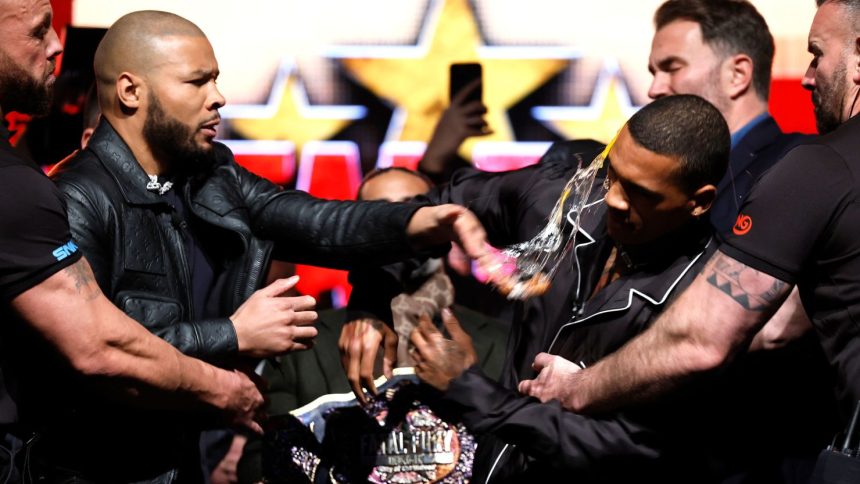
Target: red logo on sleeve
[[743, 225]]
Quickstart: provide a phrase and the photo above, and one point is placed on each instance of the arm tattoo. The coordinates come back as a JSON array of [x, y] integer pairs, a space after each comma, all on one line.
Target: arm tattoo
[[84, 279], [744, 284]]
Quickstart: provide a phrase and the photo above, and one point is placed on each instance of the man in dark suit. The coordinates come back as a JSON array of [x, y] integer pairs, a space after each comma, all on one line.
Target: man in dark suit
[[722, 51]]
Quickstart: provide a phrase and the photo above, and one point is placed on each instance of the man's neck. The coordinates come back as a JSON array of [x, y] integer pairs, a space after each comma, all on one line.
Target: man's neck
[[668, 246], [744, 112], [132, 134]]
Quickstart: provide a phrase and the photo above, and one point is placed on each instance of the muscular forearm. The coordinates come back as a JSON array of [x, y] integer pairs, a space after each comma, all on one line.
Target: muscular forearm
[[100, 341], [559, 438], [715, 318], [648, 366]]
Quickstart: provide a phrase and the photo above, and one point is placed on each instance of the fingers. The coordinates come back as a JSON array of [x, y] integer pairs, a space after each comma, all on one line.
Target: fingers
[[426, 326], [302, 318], [253, 426], [279, 287], [474, 110], [304, 333], [368, 358], [470, 234], [389, 354], [448, 214], [419, 341], [300, 303], [353, 368], [542, 360], [525, 386], [352, 375], [359, 343]]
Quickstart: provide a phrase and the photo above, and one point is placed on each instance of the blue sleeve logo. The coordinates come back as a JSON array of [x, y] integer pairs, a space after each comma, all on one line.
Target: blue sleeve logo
[[65, 250]]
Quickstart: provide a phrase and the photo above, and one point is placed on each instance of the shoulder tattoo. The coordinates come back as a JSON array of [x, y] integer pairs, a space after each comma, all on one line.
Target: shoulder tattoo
[[85, 280], [752, 289]]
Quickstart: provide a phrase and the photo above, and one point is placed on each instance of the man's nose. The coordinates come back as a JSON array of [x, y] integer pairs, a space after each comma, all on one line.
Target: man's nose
[[615, 198], [659, 86], [808, 80]]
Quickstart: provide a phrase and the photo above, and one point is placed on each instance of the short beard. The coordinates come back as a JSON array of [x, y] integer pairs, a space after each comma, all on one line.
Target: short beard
[[22, 93], [828, 98], [173, 143]]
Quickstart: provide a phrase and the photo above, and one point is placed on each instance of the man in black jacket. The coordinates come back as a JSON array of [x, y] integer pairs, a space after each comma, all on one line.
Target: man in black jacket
[[640, 244], [179, 235], [59, 335]]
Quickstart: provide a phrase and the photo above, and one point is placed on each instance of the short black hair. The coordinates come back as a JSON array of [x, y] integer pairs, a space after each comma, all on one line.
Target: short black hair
[[690, 129], [729, 27], [399, 169]]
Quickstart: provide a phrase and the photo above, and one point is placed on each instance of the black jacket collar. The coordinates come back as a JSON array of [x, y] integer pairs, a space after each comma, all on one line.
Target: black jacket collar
[[120, 162], [656, 279], [761, 136]]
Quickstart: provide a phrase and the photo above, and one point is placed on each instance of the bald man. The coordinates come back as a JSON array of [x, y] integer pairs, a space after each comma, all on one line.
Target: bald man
[[60, 337], [179, 235]]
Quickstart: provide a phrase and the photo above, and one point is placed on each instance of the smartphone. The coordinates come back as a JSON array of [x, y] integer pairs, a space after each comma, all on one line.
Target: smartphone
[[462, 75]]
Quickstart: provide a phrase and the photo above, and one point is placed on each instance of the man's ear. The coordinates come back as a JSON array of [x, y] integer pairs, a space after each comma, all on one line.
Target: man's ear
[[739, 68], [128, 91], [701, 201], [855, 69]]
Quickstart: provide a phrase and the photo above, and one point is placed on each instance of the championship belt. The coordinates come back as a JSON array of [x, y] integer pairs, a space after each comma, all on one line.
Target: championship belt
[[394, 439]]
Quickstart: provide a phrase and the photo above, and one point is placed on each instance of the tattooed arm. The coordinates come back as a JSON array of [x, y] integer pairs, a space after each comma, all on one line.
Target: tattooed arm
[[69, 311], [715, 318], [790, 323]]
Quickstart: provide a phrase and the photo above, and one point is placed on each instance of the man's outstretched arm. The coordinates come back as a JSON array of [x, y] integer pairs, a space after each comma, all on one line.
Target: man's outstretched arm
[[715, 318], [69, 310]]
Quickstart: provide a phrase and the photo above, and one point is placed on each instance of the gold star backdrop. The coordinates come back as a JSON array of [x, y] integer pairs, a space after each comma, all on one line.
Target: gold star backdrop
[[609, 109], [289, 116], [414, 79]]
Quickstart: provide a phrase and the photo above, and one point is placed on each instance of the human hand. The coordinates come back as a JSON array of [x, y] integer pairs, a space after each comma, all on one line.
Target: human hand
[[268, 324], [439, 360], [463, 119], [438, 224], [359, 342], [241, 400], [553, 380]]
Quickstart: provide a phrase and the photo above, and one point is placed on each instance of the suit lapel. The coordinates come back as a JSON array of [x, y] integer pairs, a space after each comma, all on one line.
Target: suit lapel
[[759, 137]]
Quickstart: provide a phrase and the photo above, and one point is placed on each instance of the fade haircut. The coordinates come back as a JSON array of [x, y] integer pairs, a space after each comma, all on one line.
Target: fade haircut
[[690, 129], [729, 27]]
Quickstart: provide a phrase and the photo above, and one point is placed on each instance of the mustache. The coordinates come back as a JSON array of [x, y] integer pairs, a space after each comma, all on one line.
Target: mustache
[[216, 119]]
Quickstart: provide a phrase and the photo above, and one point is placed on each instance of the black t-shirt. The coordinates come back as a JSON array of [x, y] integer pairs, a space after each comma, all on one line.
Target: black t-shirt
[[35, 243], [801, 224]]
